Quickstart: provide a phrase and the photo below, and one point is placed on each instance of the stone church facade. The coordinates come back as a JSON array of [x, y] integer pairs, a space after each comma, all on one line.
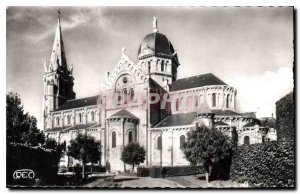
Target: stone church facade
[[143, 101]]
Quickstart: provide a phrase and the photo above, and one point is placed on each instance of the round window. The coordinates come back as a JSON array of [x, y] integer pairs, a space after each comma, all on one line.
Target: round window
[[125, 80]]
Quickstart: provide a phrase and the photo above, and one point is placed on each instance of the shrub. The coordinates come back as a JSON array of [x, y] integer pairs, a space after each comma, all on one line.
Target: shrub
[[169, 171], [143, 171], [264, 165]]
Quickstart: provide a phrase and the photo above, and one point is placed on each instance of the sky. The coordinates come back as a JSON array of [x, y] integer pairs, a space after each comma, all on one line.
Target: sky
[[250, 49]]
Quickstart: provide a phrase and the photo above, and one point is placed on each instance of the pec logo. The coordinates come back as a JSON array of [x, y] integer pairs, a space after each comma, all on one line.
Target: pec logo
[[23, 174]]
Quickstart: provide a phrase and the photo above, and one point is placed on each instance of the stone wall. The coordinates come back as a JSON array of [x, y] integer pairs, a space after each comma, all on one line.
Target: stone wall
[[285, 112]]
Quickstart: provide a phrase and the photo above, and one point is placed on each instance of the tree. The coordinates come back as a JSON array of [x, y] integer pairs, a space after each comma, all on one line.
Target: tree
[[133, 154], [20, 126], [84, 148], [208, 146], [52, 144]]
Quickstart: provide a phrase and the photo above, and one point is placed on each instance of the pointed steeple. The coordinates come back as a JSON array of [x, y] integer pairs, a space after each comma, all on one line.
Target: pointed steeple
[[58, 58]]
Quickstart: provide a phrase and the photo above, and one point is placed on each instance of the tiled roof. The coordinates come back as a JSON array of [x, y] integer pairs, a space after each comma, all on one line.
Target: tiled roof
[[57, 129], [76, 127], [251, 124], [224, 112], [249, 114], [204, 108], [196, 81], [124, 113], [82, 126], [178, 120], [77, 103], [221, 123]]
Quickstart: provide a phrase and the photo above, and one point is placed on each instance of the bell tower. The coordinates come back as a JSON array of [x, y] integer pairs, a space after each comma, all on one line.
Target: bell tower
[[57, 77], [157, 57]]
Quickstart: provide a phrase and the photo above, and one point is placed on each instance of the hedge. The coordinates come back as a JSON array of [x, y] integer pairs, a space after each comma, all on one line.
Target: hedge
[[43, 162], [270, 164], [169, 171]]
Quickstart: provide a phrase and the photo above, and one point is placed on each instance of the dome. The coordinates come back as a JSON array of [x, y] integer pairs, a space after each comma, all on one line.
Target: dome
[[155, 43]]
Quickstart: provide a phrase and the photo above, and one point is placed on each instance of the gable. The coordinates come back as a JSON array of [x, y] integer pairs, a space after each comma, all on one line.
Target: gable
[[124, 66]]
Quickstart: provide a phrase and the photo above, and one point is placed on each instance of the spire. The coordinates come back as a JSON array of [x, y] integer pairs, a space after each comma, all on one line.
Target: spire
[[58, 57], [154, 23]]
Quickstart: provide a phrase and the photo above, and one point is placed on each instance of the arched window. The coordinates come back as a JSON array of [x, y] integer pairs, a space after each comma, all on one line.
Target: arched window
[[214, 100], [157, 65], [196, 102], [189, 103], [92, 116], [125, 96], [79, 118], [182, 142], [246, 140], [68, 119], [57, 121], [119, 98], [177, 104], [162, 66], [201, 99], [131, 94], [113, 139], [130, 136], [263, 138], [159, 143], [227, 101]]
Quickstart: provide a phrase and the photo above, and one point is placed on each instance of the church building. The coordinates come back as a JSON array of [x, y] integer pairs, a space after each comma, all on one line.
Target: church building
[[143, 101]]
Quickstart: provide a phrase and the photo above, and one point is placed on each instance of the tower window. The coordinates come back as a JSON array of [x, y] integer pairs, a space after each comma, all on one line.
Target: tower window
[[162, 67], [159, 143], [113, 139], [182, 142]]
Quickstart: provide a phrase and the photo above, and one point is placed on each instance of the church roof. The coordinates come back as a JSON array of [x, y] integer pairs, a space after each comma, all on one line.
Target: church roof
[[178, 120], [77, 103], [57, 129], [196, 81], [204, 108], [250, 124], [82, 126], [224, 112], [221, 123], [124, 113], [155, 43]]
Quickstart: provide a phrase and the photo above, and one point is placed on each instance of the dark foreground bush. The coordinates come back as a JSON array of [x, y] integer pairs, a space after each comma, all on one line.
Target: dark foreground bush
[[264, 165], [43, 162]]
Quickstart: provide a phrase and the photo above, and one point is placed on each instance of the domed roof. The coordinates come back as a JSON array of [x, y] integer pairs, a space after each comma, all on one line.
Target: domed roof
[[155, 43]]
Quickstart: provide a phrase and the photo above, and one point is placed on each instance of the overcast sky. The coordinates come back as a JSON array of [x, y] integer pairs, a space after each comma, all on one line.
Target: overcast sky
[[250, 49]]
